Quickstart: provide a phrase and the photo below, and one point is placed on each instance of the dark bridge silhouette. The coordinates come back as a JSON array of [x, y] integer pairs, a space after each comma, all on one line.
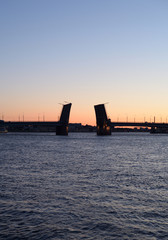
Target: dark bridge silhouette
[[61, 126], [105, 126], [103, 123]]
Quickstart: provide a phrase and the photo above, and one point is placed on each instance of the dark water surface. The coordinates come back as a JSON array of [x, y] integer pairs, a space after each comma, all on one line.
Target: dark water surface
[[83, 186]]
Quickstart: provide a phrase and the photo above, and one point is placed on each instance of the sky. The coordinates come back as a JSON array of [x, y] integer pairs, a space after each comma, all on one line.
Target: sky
[[85, 52]]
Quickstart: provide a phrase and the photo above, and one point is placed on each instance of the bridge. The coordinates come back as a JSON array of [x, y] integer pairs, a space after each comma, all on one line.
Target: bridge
[[61, 126], [105, 126]]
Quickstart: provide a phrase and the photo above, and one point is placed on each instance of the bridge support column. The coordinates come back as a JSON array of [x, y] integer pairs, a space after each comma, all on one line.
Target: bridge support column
[[62, 130], [153, 130], [159, 130], [103, 130]]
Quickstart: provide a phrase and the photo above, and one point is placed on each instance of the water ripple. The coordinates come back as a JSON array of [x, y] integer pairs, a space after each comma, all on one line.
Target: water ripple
[[83, 186]]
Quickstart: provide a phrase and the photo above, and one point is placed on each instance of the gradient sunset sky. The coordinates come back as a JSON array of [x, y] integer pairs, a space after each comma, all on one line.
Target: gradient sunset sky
[[85, 52]]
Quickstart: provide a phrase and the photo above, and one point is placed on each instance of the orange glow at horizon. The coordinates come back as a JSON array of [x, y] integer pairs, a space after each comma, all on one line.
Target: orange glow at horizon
[[85, 115]]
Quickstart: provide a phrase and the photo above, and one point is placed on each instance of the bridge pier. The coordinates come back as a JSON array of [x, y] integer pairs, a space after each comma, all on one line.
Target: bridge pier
[[159, 130], [103, 130], [2, 127], [62, 130]]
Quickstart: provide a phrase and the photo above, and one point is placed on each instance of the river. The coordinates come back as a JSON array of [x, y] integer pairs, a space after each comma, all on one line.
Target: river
[[83, 186]]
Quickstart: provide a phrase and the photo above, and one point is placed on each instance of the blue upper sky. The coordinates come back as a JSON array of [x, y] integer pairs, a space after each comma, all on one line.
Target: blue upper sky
[[86, 52]]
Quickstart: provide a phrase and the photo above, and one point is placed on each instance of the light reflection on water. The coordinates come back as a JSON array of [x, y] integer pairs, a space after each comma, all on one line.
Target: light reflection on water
[[83, 186]]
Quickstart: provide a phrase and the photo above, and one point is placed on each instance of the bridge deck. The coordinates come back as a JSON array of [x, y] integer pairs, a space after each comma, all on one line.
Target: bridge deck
[[30, 123], [138, 124]]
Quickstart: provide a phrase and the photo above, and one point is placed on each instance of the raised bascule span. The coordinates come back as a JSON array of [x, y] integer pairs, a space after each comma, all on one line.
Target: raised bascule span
[[105, 126], [61, 126], [103, 123]]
